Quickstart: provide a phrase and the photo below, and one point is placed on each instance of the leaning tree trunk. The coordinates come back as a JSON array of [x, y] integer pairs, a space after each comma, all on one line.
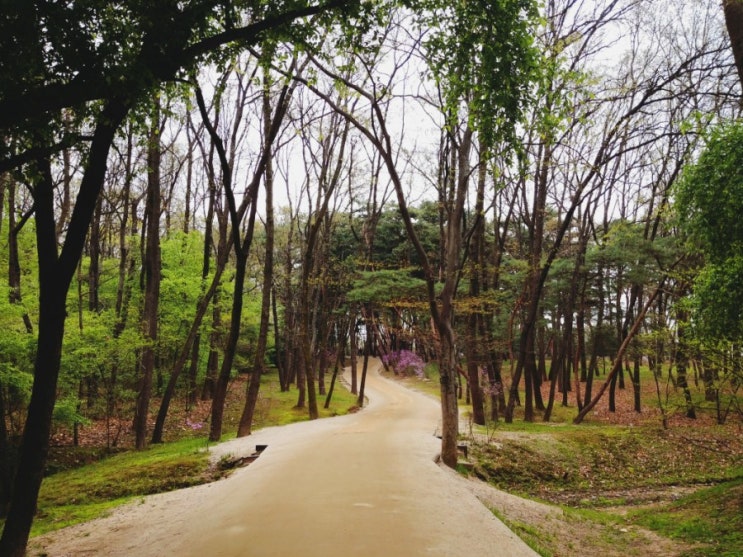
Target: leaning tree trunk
[[190, 347], [241, 245], [353, 347], [682, 362], [620, 355]]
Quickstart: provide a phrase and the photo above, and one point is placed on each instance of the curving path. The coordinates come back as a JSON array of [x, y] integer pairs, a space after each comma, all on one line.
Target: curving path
[[360, 485]]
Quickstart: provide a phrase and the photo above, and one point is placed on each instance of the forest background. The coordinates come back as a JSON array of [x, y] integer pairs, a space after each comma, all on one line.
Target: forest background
[[515, 192]]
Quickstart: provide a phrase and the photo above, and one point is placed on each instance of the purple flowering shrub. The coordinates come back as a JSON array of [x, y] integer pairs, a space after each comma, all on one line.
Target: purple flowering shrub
[[405, 363], [194, 425], [488, 388]]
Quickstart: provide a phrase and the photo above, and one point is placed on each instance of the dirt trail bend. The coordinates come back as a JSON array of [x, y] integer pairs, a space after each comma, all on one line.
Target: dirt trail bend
[[360, 485]]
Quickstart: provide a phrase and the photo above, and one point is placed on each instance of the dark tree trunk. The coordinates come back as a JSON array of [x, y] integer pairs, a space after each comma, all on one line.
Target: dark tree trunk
[[636, 384], [126, 274], [251, 396], [734, 23], [193, 371], [279, 344], [55, 275], [220, 389], [190, 347], [473, 344], [152, 271], [7, 469], [241, 245], [340, 349], [353, 349], [212, 361], [555, 371], [64, 202], [617, 365], [368, 341], [94, 254], [682, 364]]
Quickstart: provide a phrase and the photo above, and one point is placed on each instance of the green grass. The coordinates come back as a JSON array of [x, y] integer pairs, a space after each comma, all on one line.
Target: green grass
[[711, 517], [80, 494]]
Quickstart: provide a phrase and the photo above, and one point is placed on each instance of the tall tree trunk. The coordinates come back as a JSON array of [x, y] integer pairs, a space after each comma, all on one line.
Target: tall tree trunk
[[251, 396], [94, 255], [241, 244], [473, 344], [682, 362], [527, 342], [212, 360], [368, 343], [64, 202], [279, 344], [152, 270], [734, 23], [353, 349], [126, 274], [225, 370], [338, 367], [190, 348]]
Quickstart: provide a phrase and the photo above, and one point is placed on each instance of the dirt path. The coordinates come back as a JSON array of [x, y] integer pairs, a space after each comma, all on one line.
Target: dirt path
[[365, 484]]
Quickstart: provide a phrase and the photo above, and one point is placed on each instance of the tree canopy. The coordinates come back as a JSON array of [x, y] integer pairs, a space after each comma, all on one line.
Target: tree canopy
[[709, 201]]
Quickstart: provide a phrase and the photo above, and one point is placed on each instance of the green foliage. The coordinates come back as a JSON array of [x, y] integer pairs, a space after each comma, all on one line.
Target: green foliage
[[625, 248], [482, 55], [717, 301], [709, 196], [710, 516], [17, 349], [605, 340], [709, 205], [66, 413], [386, 285]]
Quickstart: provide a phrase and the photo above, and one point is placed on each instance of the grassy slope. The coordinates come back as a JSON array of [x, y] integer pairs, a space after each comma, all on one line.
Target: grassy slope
[[619, 471]]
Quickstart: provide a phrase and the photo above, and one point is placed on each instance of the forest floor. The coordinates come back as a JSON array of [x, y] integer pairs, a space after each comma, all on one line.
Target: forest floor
[[618, 485]]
